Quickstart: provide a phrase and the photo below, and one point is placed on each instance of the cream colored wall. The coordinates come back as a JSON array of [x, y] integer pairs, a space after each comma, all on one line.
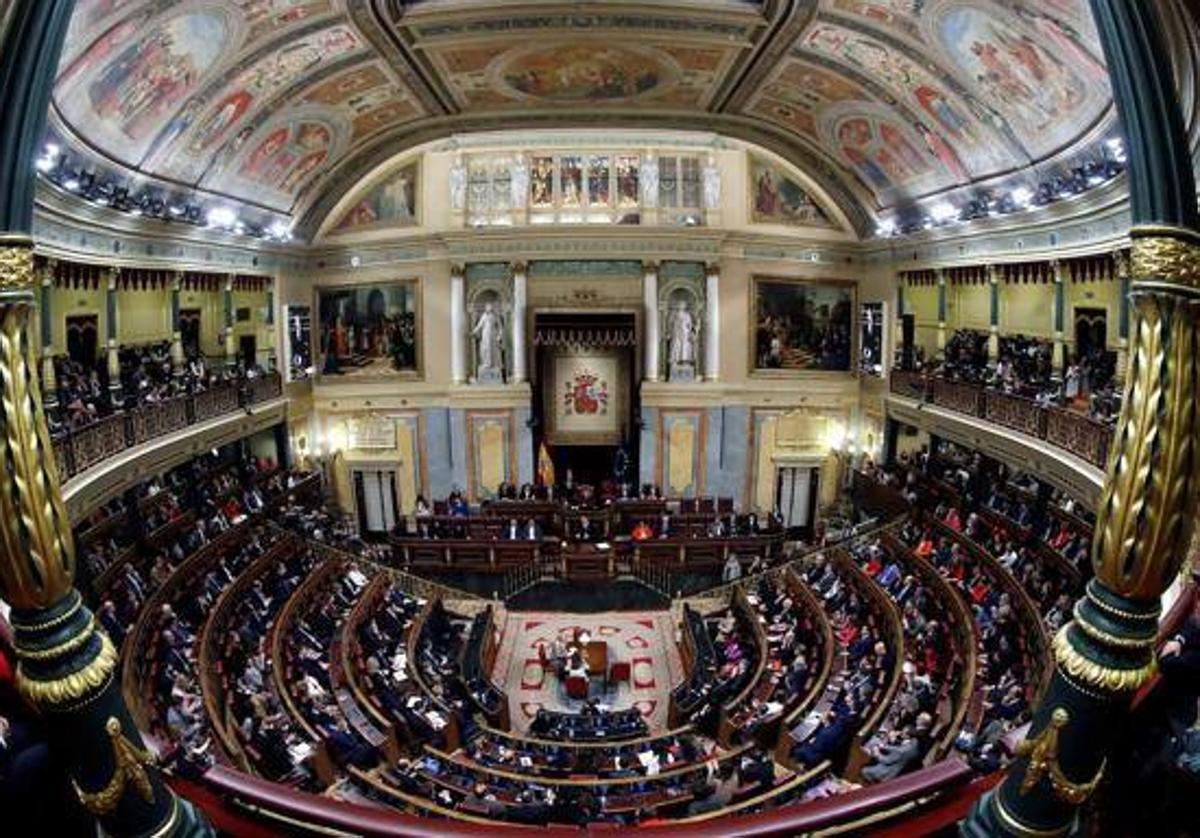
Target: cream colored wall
[[1105, 295], [74, 302], [1027, 309], [212, 318], [143, 316], [921, 302], [969, 306]]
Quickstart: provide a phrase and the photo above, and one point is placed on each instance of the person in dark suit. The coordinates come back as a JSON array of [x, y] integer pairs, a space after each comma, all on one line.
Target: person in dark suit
[[837, 728], [512, 532], [584, 531], [893, 758], [1179, 662], [533, 530]]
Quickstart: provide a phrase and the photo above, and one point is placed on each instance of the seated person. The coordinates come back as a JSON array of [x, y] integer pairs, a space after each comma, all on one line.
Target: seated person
[[532, 531], [512, 532], [576, 665], [584, 531]]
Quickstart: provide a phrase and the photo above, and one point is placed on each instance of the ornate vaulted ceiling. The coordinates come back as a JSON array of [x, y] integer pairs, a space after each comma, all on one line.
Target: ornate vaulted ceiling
[[283, 103]]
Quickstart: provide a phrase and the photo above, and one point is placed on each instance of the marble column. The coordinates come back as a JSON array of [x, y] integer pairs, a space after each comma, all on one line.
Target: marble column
[[993, 314], [1059, 311], [458, 338], [46, 318], [230, 341], [177, 360], [712, 335], [519, 346], [941, 309], [110, 333], [270, 331], [650, 305]]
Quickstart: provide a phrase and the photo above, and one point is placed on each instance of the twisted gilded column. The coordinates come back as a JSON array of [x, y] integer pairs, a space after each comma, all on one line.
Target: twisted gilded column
[[1144, 521], [66, 667]]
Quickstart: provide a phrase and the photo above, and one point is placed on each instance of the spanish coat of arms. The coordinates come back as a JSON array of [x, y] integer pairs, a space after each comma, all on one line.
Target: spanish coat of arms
[[586, 394]]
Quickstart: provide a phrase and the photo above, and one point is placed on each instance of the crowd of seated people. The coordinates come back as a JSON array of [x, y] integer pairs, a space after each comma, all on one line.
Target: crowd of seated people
[[382, 653], [211, 500], [104, 537], [175, 629], [508, 520], [147, 377], [466, 788], [905, 734], [727, 655], [485, 694], [794, 651], [1023, 366], [646, 758], [867, 662], [1003, 664], [263, 728], [592, 723], [307, 660]]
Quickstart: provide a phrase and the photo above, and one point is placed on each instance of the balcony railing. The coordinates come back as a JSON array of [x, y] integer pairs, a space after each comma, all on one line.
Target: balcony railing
[[78, 449], [1069, 430]]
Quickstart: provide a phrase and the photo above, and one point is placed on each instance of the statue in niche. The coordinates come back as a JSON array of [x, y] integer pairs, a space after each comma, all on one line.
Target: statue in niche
[[489, 359], [682, 331], [458, 184]]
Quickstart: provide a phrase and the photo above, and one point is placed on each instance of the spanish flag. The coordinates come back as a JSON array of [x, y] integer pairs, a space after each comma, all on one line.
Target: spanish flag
[[545, 469]]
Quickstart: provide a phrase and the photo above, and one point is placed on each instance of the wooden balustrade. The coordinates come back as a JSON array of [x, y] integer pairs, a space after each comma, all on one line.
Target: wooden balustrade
[[1016, 412], [1070, 430], [78, 449], [913, 385], [1080, 435], [958, 396], [215, 401]]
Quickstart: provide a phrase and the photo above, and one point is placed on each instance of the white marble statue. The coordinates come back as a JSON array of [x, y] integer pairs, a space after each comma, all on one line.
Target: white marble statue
[[681, 332], [519, 184], [649, 181], [458, 184], [489, 329], [712, 184]]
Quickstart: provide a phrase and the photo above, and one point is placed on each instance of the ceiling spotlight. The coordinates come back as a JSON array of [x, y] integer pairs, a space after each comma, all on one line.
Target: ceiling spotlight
[[1022, 197], [221, 217], [71, 184], [886, 228], [281, 230], [44, 164], [942, 212]]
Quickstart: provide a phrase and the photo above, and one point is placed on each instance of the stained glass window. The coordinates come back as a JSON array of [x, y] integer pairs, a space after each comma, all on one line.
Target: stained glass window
[[597, 180], [579, 187]]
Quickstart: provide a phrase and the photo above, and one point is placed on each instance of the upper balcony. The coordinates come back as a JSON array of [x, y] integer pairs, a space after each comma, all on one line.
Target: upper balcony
[[1065, 447]]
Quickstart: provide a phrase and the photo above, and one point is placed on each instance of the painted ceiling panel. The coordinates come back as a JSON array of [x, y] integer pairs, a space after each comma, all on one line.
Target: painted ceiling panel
[[274, 101]]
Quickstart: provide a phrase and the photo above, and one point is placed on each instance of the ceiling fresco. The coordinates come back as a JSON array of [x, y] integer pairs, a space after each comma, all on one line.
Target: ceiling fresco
[[280, 103]]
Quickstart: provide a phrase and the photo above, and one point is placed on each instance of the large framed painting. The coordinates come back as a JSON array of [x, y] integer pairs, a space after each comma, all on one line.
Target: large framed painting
[[392, 203], [777, 198], [801, 325], [370, 330]]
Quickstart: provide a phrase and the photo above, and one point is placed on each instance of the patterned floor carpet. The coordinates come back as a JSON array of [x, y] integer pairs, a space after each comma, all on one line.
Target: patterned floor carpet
[[646, 640]]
